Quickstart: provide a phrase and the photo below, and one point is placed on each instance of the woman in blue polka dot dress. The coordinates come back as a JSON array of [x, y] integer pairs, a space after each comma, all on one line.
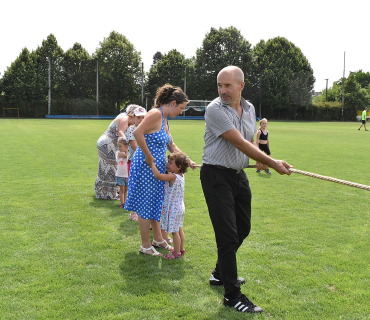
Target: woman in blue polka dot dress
[[145, 192]]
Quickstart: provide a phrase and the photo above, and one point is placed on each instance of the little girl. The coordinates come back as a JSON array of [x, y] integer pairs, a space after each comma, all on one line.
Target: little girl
[[173, 208], [263, 140], [122, 173]]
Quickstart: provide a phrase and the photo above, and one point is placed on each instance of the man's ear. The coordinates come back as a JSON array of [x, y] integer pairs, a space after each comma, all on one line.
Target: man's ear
[[242, 84]]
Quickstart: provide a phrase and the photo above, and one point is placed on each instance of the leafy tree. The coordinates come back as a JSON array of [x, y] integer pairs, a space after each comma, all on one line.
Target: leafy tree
[[191, 79], [77, 73], [49, 49], [284, 76], [220, 48], [158, 56], [169, 69], [362, 78], [25, 83], [255, 86], [367, 90], [355, 98], [119, 70], [18, 83], [331, 95]]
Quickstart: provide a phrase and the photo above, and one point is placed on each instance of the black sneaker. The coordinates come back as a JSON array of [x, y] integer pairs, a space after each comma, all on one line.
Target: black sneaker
[[213, 281], [242, 304]]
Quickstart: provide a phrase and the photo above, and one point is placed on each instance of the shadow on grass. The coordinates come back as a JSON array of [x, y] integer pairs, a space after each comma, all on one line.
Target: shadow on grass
[[218, 289], [264, 175], [129, 227], [112, 205], [145, 275]]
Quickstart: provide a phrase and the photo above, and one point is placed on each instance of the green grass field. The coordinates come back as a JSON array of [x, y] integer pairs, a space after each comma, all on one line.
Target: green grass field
[[67, 255]]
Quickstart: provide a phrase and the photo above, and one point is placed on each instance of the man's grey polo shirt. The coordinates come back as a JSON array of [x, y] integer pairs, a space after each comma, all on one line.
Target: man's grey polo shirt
[[221, 118]]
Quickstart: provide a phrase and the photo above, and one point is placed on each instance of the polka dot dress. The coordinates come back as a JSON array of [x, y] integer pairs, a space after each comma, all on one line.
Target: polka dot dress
[[145, 192]]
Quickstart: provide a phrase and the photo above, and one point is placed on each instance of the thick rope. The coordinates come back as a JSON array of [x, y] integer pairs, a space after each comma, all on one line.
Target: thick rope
[[318, 176]]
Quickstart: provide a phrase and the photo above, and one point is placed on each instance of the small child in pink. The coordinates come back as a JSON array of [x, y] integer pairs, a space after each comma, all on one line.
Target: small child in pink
[[173, 207], [122, 172]]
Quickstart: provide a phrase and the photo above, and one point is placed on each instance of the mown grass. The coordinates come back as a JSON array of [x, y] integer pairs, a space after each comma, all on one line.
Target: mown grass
[[67, 255]]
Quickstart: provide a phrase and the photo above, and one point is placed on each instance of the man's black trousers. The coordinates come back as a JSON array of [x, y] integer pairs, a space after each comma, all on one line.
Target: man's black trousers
[[228, 198]]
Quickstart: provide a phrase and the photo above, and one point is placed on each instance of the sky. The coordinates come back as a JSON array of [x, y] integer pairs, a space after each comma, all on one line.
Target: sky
[[325, 31]]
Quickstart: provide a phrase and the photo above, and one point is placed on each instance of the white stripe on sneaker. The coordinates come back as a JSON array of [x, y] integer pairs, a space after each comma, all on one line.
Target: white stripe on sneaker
[[241, 307], [213, 278]]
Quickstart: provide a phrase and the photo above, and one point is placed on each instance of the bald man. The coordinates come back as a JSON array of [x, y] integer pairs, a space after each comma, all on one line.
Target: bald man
[[229, 143]]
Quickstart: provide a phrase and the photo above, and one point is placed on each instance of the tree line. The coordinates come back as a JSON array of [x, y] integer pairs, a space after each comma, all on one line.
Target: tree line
[[356, 97], [73, 78], [279, 78]]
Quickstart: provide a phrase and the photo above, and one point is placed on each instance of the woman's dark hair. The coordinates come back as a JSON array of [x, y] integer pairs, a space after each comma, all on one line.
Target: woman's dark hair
[[180, 160], [169, 93]]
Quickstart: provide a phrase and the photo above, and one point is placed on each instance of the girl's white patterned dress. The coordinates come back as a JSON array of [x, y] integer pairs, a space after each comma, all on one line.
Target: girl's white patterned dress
[[173, 207]]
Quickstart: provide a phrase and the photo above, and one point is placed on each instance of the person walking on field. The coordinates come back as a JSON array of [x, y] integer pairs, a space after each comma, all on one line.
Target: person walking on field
[[229, 143], [262, 140], [363, 119]]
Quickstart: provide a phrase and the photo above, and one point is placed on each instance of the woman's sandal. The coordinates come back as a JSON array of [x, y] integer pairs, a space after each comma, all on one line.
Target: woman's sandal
[[155, 252], [172, 255], [157, 244]]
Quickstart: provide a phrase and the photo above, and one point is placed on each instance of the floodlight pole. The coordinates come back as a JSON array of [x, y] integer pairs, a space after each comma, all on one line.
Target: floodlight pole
[[97, 87], [49, 82], [185, 81], [260, 107], [326, 90], [344, 68], [142, 83]]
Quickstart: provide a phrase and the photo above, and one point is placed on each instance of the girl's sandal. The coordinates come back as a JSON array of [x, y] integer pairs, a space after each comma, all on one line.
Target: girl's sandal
[[182, 252], [134, 217], [172, 255], [157, 244], [169, 240], [144, 250]]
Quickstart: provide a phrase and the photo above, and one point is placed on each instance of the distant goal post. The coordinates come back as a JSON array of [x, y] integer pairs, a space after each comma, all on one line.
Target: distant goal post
[[197, 105], [4, 111]]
